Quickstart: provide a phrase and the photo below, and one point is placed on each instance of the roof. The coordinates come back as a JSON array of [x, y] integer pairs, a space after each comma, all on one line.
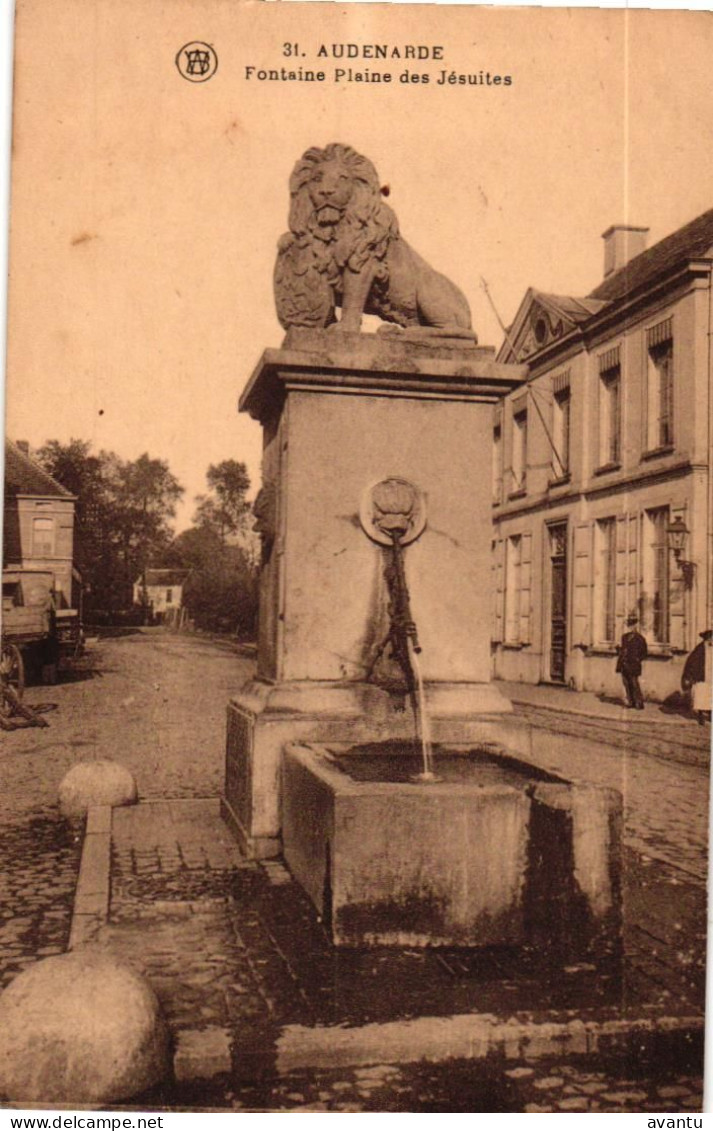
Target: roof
[[166, 576], [692, 241], [568, 307], [565, 312], [23, 476]]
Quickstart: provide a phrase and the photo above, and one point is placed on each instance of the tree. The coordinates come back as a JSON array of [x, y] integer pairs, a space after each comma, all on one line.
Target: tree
[[87, 477], [123, 512], [222, 597], [75, 468], [221, 592], [225, 508], [146, 492]]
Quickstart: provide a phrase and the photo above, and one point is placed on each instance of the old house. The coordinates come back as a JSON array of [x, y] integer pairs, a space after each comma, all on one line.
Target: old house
[[161, 590], [39, 524], [602, 480]]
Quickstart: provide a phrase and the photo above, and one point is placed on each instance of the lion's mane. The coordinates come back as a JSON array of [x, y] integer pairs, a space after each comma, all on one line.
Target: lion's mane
[[312, 258]]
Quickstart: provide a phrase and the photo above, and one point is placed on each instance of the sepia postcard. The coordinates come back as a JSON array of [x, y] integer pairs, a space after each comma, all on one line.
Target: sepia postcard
[[357, 618]]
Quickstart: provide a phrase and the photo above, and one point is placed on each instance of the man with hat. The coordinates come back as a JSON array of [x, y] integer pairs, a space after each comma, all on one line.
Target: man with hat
[[697, 676], [632, 651]]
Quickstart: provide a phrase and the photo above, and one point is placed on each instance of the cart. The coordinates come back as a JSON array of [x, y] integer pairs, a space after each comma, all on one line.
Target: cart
[[34, 633]]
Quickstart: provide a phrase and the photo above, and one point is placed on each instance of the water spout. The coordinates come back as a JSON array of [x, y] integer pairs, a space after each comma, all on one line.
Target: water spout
[[395, 508]]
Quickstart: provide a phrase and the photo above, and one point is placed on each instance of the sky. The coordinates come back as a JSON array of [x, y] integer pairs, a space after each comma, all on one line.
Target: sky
[[146, 209]]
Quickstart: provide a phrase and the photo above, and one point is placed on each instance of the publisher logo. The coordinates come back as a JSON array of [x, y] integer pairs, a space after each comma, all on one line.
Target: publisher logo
[[197, 61]]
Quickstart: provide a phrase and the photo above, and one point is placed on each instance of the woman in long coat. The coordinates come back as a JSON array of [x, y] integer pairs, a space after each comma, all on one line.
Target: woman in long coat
[[697, 676]]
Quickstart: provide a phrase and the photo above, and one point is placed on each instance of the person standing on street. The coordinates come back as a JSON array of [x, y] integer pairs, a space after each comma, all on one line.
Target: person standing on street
[[632, 651], [698, 676]]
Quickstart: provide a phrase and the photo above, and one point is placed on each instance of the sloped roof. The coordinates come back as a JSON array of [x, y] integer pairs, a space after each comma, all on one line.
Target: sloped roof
[[166, 576], [25, 477], [692, 241], [568, 307], [566, 313]]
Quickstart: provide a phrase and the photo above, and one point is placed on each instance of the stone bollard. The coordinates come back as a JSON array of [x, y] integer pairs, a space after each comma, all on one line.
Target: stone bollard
[[81, 1028], [96, 783]]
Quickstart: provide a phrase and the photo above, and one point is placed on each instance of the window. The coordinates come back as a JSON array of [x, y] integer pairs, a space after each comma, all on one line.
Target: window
[[11, 595], [659, 416], [497, 463], [560, 431], [169, 596], [513, 577], [42, 537], [605, 581], [519, 451], [656, 574], [609, 408]]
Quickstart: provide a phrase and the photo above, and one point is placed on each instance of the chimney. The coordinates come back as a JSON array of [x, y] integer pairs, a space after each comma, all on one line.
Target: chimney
[[621, 243], [23, 446]]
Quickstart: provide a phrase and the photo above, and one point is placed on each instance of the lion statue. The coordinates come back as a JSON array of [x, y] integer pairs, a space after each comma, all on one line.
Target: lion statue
[[344, 249]]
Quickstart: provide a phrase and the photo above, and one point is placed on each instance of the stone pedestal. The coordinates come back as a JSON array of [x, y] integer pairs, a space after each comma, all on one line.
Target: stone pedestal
[[341, 412]]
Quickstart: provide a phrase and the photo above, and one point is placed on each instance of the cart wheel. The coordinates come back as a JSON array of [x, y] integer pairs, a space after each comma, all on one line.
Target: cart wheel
[[12, 678]]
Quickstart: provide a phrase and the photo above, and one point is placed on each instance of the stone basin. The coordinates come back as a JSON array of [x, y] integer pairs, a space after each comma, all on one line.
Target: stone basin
[[496, 852], [402, 762]]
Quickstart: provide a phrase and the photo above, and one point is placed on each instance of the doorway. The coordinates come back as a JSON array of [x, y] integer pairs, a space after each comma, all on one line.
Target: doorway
[[558, 601]]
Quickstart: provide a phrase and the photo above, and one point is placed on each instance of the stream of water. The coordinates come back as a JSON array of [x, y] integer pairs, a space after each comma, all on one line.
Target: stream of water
[[422, 721]]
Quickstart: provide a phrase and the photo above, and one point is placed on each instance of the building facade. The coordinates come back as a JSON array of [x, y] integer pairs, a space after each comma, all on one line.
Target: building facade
[[602, 482], [38, 525], [161, 589]]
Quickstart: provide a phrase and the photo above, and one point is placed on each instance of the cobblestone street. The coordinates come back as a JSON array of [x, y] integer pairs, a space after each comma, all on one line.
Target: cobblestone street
[[151, 700], [251, 987], [40, 863], [233, 947], [665, 800], [155, 703]]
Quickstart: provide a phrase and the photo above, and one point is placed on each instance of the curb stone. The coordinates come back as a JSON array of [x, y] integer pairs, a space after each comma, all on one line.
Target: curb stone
[[579, 712], [472, 1037], [91, 898]]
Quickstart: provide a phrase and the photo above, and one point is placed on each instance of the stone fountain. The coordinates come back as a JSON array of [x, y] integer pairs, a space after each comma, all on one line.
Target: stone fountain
[[374, 622]]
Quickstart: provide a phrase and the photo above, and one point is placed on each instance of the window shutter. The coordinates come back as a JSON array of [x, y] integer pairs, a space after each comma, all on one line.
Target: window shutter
[[609, 360], [525, 587], [622, 555], [662, 332], [64, 538], [498, 589], [677, 596], [667, 400], [632, 572], [519, 404], [581, 630]]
